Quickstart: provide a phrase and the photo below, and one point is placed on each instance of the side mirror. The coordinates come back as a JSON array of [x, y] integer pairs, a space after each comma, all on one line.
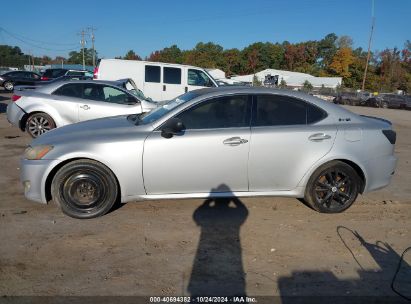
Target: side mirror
[[172, 127]]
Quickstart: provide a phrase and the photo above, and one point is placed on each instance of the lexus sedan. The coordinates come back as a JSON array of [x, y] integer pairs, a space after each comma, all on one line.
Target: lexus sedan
[[217, 142], [62, 103]]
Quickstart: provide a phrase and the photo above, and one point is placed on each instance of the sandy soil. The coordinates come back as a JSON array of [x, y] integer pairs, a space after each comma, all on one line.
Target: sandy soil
[[266, 246]]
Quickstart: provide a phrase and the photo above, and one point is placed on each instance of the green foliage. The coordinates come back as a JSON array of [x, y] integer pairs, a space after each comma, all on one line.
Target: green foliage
[[131, 55], [256, 82], [307, 86], [77, 57], [283, 84]]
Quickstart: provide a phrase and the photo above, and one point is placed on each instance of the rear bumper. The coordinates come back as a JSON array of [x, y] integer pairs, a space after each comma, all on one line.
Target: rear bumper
[[14, 114], [33, 175], [380, 171]]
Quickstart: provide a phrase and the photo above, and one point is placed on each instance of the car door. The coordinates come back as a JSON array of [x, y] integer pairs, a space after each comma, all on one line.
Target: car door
[[66, 100], [212, 151], [103, 101], [197, 79], [287, 138], [172, 83], [153, 87]]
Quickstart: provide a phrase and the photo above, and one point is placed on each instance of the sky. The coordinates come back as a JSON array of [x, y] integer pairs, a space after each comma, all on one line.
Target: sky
[[51, 27]]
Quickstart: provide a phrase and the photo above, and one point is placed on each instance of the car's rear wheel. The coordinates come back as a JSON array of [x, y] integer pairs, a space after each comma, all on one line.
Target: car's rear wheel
[[8, 86], [39, 123], [84, 189], [333, 187]]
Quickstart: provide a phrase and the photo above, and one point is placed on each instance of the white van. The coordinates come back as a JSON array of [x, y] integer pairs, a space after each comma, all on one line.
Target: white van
[[157, 80]]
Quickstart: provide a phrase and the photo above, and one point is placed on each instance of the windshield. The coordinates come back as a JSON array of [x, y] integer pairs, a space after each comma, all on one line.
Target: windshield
[[162, 110]]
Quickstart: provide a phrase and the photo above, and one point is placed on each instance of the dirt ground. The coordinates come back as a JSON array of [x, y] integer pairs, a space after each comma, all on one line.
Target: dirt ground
[[264, 247]]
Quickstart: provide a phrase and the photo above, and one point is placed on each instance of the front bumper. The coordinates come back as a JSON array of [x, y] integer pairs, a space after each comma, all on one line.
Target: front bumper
[[33, 175]]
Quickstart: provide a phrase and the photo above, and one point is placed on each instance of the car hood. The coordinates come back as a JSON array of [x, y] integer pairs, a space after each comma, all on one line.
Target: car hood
[[101, 129]]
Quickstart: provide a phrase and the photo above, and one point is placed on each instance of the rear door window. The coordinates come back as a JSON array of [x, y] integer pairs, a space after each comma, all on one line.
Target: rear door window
[[280, 110], [172, 75], [152, 73], [70, 90]]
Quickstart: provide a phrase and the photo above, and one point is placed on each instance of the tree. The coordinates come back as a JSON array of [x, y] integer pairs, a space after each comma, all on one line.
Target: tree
[[342, 61], [77, 57], [131, 55], [283, 84], [307, 86], [344, 42]]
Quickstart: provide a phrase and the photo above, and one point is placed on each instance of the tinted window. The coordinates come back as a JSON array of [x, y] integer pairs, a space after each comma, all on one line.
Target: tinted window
[[315, 114], [198, 78], [278, 110], [75, 73], [172, 75], [54, 73], [152, 73], [223, 112], [70, 90]]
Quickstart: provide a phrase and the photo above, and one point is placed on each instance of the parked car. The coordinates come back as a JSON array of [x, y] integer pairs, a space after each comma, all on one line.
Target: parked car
[[352, 98], [9, 80], [387, 101], [38, 84], [229, 141], [50, 74], [159, 81], [62, 103]]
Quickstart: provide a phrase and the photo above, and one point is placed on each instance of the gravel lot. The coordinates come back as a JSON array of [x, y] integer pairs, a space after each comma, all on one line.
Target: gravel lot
[[268, 247]]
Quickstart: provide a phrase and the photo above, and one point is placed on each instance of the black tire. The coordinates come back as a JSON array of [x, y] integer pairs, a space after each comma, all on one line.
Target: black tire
[[8, 86], [333, 187], [39, 123], [84, 189]]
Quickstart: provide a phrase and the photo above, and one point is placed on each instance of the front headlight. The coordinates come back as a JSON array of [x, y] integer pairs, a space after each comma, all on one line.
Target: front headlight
[[37, 152]]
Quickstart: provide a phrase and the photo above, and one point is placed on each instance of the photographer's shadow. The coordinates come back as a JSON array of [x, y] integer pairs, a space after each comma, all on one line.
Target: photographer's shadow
[[218, 267]]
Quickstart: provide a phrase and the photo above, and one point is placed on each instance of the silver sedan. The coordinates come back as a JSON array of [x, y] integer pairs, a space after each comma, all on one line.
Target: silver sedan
[[232, 141], [37, 110]]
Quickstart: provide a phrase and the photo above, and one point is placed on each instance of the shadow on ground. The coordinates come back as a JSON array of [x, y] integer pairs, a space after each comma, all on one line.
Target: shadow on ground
[[218, 267], [324, 287]]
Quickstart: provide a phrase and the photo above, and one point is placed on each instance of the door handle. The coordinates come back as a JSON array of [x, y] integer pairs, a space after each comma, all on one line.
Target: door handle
[[234, 141], [85, 107], [319, 137]]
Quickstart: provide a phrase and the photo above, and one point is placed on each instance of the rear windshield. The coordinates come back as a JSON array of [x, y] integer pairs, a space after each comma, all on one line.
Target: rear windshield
[[54, 73]]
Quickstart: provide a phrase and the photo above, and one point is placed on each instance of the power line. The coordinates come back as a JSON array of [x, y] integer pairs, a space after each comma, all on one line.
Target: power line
[[35, 45], [35, 41]]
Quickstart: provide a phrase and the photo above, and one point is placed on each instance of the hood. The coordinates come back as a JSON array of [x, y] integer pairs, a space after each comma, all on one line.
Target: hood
[[98, 129]]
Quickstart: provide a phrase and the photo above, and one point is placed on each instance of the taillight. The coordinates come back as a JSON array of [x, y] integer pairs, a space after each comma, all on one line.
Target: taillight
[[391, 136], [95, 73], [15, 97], [44, 78]]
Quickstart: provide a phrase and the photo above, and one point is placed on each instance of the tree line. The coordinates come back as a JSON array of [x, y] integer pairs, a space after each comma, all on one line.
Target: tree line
[[388, 70]]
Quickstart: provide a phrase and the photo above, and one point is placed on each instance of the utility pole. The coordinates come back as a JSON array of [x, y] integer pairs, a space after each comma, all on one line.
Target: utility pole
[[369, 47], [92, 29], [83, 42]]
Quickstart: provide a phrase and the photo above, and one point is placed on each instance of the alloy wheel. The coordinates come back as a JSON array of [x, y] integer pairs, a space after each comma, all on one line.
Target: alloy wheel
[[38, 125]]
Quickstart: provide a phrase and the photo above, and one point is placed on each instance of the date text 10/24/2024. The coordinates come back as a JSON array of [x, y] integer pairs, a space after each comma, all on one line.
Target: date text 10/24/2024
[[203, 299]]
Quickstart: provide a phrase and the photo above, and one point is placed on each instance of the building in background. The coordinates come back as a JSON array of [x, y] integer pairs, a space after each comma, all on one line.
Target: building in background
[[292, 79]]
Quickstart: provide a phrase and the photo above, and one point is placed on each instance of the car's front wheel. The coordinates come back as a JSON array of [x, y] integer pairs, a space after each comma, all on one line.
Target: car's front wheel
[[333, 187], [84, 189], [39, 123]]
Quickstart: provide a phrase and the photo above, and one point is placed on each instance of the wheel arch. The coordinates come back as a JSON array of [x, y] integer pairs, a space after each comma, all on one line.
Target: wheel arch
[[56, 168], [352, 163]]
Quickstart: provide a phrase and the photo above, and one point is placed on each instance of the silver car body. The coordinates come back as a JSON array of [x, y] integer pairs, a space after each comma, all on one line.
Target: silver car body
[[67, 110], [271, 161]]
